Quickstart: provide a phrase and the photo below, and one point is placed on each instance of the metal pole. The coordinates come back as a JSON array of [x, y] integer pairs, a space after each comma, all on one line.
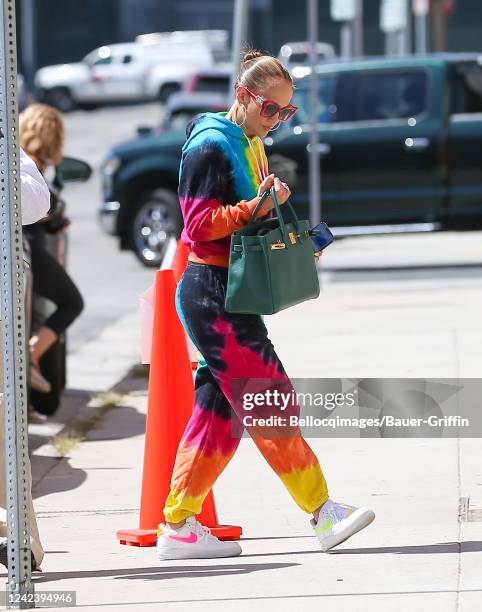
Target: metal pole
[[346, 39], [240, 31], [407, 31], [29, 42], [314, 148], [358, 46], [421, 42], [13, 321]]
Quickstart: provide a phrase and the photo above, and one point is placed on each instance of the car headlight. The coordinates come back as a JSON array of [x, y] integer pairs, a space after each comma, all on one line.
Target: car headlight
[[109, 168]]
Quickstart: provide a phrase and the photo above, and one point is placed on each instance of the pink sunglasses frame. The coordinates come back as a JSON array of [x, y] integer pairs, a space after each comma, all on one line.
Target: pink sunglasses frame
[[263, 102]]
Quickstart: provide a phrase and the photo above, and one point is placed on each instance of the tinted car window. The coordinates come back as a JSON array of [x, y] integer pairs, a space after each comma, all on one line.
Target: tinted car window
[[466, 93], [385, 95], [326, 100], [212, 84], [179, 119]]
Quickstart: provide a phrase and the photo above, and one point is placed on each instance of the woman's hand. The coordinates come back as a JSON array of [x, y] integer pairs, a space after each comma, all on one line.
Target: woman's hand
[[318, 255], [281, 189]]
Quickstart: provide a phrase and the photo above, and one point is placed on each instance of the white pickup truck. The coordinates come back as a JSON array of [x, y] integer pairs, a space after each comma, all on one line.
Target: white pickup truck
[[122, 72]]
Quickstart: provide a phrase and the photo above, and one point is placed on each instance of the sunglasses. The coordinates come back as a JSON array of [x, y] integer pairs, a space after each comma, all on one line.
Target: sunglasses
[[270, 108]]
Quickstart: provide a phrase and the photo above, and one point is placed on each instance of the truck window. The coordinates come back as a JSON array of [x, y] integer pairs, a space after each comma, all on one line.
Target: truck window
[[326, 100], [102, 61], [212, 84], [466, 90], [388, 95]]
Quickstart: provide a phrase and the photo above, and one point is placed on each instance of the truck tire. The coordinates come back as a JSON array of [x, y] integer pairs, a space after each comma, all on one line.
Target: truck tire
[[60, 98], [156, 218], [167, 90]]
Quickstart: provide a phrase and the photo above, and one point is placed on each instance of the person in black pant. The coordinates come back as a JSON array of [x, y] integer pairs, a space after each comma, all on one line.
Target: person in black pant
[[42, 137]]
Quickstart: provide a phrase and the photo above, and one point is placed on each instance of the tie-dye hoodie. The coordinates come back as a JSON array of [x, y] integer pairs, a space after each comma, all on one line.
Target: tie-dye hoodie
[[218, 184]]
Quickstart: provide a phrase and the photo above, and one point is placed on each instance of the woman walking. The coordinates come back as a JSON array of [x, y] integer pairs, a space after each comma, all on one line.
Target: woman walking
[[42, 137], [223, 173]]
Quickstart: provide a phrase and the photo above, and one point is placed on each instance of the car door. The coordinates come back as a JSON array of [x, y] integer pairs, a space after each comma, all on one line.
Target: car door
[[288, 148], [464, 139], [389, 146], [121, 78]]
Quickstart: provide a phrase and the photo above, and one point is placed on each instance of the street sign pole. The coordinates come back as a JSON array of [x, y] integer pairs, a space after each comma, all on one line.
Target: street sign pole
[[29, 41], [350, 14], [395, 18], [13, 324], [358, 29], [421, 9], [314, 149], [240, 31]]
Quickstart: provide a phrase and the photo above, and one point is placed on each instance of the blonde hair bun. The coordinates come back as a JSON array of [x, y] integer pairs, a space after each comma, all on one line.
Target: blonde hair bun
[[251, 55], [259, 70]]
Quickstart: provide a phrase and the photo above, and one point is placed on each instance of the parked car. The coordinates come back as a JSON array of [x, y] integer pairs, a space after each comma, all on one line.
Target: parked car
[[167, 77], [182, 107], [217, 40], [214, 80], [400, 144], [122, 72], [298, 53]]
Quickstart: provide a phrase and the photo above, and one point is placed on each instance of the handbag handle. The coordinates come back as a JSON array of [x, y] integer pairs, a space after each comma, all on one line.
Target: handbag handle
[[272, 192]]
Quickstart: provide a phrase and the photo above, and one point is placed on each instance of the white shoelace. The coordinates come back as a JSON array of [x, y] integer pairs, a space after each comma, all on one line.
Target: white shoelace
[[199, 529]]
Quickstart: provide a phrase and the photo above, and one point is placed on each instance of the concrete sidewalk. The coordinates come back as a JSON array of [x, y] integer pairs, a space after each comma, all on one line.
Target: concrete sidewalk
[[424, 550]]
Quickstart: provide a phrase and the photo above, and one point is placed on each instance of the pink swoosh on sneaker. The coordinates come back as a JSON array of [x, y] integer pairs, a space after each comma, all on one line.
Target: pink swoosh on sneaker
[[190, 539]]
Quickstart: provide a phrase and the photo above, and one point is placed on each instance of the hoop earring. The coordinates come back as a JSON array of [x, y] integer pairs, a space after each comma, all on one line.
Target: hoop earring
[[244, 120]]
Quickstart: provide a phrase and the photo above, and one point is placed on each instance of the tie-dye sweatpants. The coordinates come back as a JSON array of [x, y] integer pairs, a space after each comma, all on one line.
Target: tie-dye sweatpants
[[234, 346]]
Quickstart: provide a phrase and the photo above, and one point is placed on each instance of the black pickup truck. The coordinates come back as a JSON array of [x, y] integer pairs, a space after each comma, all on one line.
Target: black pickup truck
[[400, 146]]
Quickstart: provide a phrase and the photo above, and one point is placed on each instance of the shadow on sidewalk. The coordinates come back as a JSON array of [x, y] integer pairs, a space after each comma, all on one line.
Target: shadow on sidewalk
[[166, 572], [51, 480], [428, 549]]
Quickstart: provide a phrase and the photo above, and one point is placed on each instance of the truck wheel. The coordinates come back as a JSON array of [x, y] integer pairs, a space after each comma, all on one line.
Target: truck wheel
[[157, 218], [167, 90], [60, 98]]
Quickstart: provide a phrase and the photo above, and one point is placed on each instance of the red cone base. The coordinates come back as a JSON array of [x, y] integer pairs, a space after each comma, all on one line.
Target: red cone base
[[148, 537]]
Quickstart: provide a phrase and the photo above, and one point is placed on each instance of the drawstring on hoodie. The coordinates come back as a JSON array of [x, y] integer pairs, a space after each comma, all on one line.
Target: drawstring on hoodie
[[261, 173]]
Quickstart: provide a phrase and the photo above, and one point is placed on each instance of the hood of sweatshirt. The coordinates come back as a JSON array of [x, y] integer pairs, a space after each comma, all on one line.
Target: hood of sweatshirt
[[212, 121]]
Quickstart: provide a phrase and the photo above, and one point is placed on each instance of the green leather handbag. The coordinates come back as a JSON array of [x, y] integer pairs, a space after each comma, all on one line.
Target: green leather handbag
[[271, 264]]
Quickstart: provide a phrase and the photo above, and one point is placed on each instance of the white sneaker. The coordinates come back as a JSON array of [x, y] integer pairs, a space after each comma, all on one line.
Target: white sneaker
[[192, 541], [337, 522]]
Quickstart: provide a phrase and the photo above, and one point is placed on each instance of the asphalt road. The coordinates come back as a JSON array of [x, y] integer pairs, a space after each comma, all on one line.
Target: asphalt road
[[110, 280]]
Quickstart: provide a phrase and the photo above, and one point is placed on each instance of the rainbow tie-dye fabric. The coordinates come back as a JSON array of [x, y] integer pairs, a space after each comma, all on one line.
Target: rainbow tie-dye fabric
[[234, 347], [218, 183], [219, 178]]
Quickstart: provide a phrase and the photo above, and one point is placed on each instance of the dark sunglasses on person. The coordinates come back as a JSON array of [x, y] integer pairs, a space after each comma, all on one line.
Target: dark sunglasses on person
[[270, 108]]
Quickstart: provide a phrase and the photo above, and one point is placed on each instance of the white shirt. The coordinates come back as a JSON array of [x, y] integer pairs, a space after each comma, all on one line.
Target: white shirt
[[34, 191]]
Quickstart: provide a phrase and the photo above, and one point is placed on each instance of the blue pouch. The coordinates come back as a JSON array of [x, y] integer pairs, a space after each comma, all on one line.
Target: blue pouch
[[321, 237]]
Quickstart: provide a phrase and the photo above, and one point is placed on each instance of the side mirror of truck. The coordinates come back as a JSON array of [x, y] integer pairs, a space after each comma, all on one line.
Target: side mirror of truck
[[71, 170]]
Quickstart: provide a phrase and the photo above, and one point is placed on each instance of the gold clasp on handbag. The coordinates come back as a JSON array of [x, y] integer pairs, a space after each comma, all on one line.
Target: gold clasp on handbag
[[278, 245], [292, 237]]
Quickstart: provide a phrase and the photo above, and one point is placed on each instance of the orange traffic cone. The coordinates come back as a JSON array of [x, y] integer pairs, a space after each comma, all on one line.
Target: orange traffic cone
[[170, 384]]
